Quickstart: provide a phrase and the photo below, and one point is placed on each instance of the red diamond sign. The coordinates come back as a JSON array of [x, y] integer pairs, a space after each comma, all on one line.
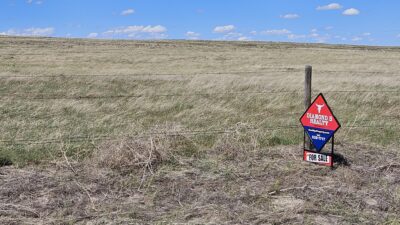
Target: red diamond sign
[[319, 122]]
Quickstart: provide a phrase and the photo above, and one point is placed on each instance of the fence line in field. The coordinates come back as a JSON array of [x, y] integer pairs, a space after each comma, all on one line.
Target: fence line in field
[[52, 96], [362, 91], [86, 138], [146, 135], [359, 124], [91, 138], [283, 70], [261, 72]]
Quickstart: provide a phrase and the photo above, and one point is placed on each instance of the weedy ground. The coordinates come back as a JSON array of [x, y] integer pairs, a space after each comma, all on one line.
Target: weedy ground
[[122, 132]]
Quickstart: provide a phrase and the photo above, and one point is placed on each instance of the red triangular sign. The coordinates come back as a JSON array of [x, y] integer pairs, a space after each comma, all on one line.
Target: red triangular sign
[[319, 115], [319, 122]]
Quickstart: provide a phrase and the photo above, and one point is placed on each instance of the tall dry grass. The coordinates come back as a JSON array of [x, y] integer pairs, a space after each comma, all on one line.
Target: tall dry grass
[[208, 134], [196, 85]]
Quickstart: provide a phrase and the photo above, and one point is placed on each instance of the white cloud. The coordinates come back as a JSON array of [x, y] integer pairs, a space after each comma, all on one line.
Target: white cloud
[[340, 38], [253, 32], [321, 40], [138, 29], [40, 31], [244, 38], [296, 36], [319, 37], [332, 6], [192, 35], [276, 32], [224, 29], [234, 36], [355, 39], [38, 2], [366, 34], [127, 12], [93, 35], [290, 16], [33, 31], [351, 12], [157, 32]]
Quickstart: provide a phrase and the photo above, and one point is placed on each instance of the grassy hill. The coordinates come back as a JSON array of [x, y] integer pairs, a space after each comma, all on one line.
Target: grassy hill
[[193, 132]]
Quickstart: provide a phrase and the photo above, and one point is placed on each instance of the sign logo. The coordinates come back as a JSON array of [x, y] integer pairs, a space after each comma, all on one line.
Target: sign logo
[[319, 107], [319, 122]]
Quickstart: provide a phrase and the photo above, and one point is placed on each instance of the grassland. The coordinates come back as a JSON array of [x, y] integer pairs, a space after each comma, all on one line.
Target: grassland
[[193, 132]]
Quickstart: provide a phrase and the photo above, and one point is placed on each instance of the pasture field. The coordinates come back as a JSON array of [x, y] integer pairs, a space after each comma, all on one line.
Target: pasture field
[[193, 132]]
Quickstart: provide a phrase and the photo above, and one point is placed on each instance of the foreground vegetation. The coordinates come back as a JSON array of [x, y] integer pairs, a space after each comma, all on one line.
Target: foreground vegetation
[[186, 131]]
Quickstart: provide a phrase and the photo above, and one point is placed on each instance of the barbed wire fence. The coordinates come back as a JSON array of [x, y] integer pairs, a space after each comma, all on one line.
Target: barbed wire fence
[[85, 138], [77, 139]]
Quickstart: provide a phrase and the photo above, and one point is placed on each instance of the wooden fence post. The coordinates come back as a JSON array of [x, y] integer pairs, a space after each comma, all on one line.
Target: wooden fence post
[[307, 99]]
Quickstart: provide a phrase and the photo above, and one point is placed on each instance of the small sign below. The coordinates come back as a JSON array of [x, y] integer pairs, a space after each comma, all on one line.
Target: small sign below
[[323, 159]]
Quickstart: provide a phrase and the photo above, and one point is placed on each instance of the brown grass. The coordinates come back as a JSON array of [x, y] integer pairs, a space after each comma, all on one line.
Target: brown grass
[[128, 155], [153, 160], [272, 186]]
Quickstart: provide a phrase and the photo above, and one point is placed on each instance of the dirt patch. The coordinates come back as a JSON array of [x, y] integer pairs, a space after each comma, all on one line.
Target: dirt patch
[[287, 203], [266, 188]]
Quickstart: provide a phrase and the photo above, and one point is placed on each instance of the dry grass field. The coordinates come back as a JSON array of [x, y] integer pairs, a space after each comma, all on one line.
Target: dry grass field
[[193, 132]]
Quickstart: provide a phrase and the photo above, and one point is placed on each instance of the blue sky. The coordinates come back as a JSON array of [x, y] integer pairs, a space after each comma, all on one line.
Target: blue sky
[[317, 21]]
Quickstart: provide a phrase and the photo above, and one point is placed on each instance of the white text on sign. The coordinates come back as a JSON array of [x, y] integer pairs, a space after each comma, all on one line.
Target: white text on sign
[[317, 119], [317, 158]]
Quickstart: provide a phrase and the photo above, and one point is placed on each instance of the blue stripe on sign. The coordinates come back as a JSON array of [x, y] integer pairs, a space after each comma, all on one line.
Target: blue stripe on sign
[[319, 137]]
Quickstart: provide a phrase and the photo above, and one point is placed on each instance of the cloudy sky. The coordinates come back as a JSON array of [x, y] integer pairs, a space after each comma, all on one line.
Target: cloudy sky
[[318, 21]]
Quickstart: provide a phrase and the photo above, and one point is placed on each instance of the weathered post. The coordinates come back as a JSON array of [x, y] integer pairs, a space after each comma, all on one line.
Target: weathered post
[[307, 99]]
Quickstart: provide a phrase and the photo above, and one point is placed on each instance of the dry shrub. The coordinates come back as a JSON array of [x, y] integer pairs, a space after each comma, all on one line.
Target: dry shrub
[[146, 153], [129, 154]]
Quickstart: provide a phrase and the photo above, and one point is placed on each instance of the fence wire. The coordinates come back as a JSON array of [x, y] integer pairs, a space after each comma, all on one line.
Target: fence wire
[[89, 138], [261, 72], [41, 96], [283, 70], [92, 138], [85, 138], [49, 96]]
